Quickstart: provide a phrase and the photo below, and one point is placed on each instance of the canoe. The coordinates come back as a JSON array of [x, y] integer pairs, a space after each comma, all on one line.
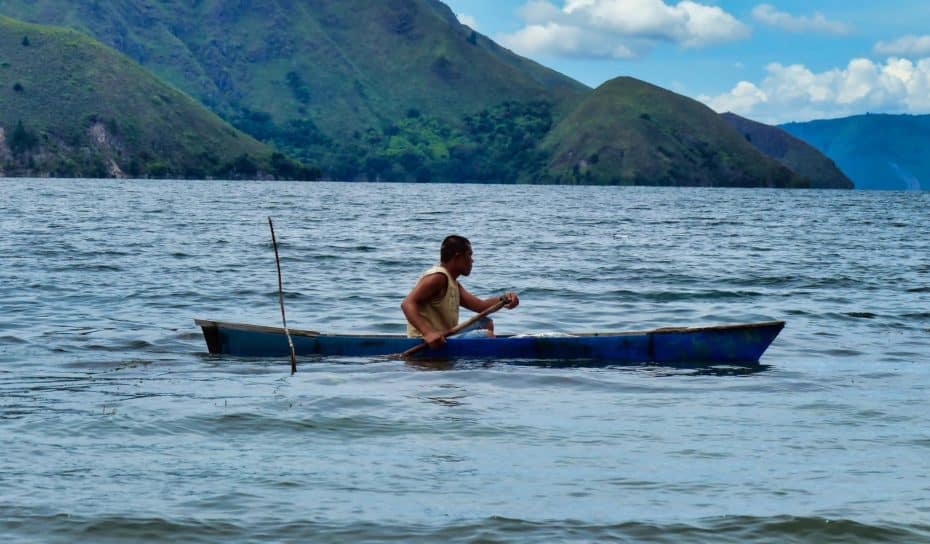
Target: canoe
[[725, 344]]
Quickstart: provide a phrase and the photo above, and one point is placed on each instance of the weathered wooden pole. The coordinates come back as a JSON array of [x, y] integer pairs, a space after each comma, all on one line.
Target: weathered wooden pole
[[277, 260]]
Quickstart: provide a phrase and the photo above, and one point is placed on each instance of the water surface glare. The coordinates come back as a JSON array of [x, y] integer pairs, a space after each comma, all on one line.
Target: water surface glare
[[116, 424]]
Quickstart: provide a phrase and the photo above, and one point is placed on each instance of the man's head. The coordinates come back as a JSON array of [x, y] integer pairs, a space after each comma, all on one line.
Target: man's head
[[456, 255]]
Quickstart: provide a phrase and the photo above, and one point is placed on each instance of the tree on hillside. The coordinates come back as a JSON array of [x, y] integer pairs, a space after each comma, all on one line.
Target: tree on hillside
[[22, 140]]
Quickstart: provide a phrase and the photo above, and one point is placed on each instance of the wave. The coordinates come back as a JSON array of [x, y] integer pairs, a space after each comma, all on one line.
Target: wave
[[683, 295], [317, 427], [122, 346], [64, 527]]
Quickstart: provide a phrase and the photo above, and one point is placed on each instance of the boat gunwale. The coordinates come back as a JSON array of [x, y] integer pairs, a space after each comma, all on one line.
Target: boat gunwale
[[664, 330]]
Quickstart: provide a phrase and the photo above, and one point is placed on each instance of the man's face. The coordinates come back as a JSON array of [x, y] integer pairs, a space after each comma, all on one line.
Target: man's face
[[465, 261]]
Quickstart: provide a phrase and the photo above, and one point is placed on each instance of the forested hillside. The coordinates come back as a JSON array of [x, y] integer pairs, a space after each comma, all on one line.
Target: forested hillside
[[399, 90], [72, 107], [799, 156]]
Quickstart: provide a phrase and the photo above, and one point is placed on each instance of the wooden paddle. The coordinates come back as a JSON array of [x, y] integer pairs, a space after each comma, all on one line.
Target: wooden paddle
[[456, 329]]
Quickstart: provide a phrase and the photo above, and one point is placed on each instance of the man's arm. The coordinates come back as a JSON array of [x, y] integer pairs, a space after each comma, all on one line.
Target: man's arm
[[427, 289], [478, 305]]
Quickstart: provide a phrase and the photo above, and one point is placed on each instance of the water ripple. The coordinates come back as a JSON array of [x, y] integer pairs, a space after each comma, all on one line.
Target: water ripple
[[116, 424]]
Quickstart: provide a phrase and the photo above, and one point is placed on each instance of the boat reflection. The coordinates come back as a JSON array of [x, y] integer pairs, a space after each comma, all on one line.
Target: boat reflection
[[657, 370]]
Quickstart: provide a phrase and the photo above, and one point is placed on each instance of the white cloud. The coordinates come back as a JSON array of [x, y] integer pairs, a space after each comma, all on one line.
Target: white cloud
[[467, 20], [743, 98], [619, 28], [795, 93], [568, 40], [769, 15], [708, 25], [539, 12], [908, 46]]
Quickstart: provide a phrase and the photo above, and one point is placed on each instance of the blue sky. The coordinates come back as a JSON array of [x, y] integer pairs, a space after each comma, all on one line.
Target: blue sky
[[774, 61]]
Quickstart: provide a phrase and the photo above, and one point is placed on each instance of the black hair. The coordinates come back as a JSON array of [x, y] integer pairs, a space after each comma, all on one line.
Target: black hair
[[451, 246]]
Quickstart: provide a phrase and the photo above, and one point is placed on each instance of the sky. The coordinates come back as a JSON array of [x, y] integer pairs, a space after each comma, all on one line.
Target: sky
[[775, 61]]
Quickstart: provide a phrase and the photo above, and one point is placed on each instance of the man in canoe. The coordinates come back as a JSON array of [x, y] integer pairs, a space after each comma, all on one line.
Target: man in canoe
[[432, 307]]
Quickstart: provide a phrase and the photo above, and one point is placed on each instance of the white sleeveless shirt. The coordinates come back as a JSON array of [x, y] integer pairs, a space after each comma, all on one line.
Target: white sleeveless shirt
[[441, 313]]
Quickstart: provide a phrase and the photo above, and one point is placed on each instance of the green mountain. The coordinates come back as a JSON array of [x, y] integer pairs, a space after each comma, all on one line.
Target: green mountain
[[394, 89], [631, 132], [876, 151], [72, 107], [400, 90], [802, 158]]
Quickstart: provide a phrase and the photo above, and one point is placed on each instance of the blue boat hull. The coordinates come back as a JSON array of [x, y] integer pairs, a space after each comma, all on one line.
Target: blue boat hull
[[728, 344]]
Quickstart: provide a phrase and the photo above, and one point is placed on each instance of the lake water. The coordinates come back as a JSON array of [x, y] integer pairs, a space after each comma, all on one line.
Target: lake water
[[116, 425]]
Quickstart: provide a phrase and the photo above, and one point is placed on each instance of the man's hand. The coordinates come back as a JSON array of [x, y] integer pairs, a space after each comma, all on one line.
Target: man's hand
[[435, 340], [511, 299]]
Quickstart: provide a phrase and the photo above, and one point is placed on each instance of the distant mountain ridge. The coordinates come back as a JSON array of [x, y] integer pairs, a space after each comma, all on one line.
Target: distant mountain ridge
[[400, 90], [878, 151], [794, 153]]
